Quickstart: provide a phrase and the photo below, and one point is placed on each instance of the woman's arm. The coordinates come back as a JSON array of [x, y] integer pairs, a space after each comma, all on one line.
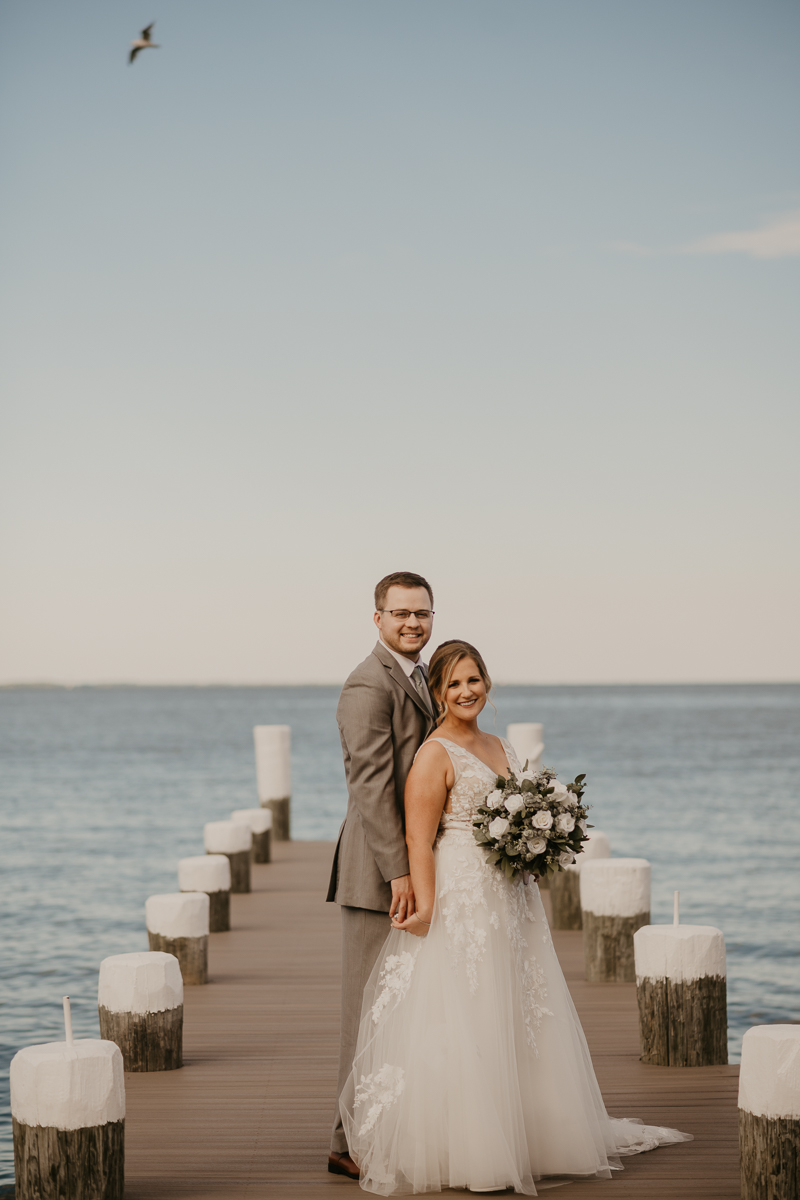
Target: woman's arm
[[427, 786]]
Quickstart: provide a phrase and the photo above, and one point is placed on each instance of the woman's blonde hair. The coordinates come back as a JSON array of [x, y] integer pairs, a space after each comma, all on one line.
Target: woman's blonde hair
[[440, 671]]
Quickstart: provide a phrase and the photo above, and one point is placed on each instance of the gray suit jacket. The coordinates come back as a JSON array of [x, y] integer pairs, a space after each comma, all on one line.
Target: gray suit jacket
[[382, 723]]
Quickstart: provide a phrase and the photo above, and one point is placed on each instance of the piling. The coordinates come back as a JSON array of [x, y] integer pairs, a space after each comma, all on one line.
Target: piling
[[234, 840], [177, 923], [615, 902], [209, 873], [260, 822], [565, 886], [769, 1113], [140, 1003], [682, 994], [68, 1119], [526, 738], [273, 745]]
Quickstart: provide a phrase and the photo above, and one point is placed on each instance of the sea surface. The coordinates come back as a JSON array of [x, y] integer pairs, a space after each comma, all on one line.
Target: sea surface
[[102, 790]]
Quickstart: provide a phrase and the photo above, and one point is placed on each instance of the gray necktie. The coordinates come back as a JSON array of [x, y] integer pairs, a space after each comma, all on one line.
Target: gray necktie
[[422, 688]]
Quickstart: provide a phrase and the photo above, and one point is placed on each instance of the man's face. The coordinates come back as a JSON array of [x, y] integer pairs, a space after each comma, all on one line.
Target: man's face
[[408, 633]]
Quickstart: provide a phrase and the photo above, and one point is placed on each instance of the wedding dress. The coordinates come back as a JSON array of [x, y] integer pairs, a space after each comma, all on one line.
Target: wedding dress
[[471, 1068]]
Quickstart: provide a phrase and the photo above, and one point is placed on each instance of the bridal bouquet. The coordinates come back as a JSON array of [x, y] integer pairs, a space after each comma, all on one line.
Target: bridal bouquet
[[533, 824]]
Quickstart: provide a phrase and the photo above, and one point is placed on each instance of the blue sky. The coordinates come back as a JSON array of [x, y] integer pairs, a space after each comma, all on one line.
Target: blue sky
[[505, 293]]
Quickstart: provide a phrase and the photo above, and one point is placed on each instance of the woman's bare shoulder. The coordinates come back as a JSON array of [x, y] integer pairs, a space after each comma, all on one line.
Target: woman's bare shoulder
[[432, 754]]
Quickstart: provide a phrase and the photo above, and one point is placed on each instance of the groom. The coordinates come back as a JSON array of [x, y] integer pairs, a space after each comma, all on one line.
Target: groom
[[384, 714]]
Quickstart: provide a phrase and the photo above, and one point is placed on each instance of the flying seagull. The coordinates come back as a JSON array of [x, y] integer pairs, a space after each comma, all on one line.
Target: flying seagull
[[142, 43]]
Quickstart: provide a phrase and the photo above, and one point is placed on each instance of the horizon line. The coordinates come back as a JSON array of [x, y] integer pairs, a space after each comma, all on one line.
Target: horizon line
[[44, 685]]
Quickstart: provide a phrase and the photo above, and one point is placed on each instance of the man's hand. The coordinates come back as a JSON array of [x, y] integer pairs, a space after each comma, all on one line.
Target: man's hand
[[402, 905]]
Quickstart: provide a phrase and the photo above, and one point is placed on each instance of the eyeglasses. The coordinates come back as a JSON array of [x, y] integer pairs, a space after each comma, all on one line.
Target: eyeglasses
[[402, 614]]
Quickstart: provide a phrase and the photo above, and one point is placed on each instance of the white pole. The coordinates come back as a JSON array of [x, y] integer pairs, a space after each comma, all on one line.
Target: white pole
[[68, 1020], [676, 909]]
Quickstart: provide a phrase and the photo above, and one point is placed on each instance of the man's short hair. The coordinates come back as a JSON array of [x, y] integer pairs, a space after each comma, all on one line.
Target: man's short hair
[[401, 579]]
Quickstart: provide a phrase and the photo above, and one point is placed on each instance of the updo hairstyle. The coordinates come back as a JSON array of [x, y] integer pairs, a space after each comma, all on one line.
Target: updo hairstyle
[[440, 671]]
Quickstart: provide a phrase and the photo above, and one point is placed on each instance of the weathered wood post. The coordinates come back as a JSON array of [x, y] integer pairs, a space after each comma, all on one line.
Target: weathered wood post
[[526, 738], [209, 873], [140, 1002], [682, 994], [565, 886], [259, 821], [274, 773], [234, 840], [769, 1113], [615, 902], [177, 923], [68, 1118]]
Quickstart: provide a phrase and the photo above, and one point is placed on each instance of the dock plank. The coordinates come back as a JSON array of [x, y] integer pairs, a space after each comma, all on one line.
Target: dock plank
[[249, 1115]]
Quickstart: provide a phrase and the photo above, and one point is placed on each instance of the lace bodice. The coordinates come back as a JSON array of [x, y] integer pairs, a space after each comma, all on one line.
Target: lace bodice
[[474, 780]]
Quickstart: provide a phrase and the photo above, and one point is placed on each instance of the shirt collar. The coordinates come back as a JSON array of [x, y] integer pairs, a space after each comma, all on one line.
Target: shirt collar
[[406, 663]]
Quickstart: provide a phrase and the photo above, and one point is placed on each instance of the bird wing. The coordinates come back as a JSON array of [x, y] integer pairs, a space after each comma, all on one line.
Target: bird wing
[[133, 54], [146, 32]]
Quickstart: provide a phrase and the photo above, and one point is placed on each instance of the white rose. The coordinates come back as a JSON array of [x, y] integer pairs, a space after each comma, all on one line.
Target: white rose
[[515, 803], [565, 823], [542, 819], [566, 858], [494, 799], [537, 845], [559, 789], [531, 775], [498, 826], [583, 827]]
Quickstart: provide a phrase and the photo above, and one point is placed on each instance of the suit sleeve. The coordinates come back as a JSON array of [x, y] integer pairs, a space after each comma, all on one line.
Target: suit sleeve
[[365, 721]]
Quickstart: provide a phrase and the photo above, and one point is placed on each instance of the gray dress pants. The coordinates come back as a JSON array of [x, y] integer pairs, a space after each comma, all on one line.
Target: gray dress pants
[[363, 933]]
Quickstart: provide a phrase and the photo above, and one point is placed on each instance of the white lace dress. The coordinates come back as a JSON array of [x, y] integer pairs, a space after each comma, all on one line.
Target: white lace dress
[[471, 1068]]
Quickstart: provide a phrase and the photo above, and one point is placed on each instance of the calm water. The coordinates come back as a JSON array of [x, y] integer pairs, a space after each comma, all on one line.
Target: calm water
[[102, 790]]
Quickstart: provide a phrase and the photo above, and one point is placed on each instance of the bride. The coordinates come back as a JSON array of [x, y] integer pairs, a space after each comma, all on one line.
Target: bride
[[471, 1068]]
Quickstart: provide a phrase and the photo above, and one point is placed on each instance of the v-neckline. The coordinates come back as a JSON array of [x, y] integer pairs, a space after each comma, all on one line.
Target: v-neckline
[[488, 766]]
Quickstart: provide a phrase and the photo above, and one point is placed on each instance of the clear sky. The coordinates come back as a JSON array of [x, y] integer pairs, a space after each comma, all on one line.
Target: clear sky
[[503, 292]]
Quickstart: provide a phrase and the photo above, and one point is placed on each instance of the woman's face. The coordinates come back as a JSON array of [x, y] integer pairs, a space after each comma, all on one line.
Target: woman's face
[[465, 695]]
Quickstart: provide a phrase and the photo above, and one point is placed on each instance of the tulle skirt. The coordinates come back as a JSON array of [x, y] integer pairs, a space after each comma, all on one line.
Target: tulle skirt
[[471, 1068]]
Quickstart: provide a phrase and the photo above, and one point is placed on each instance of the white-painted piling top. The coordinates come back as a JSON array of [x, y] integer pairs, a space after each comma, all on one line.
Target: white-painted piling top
[[148, 982], [769, 1077], [616, 887], [598, 846], [68, 1087], [226, 837], [259, 819], [273, 745], [526, 738], [679, 952], [204, 873], [178, 914]]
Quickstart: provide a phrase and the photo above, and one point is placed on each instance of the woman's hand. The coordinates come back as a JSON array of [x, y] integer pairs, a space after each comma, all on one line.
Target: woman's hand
[[413, 924]]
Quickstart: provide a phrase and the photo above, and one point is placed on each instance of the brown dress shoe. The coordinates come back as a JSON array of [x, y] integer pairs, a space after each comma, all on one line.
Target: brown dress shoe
[[343, 1164]]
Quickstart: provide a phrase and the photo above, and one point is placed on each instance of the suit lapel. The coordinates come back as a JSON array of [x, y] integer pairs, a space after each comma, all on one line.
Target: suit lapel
[[398, 674]]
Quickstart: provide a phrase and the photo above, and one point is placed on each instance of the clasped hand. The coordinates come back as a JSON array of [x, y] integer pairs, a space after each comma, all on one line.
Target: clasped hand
[[413, 924], [403, 907]]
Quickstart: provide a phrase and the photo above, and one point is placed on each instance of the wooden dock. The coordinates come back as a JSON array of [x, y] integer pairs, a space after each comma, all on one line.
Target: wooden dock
[[249, 1115]]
